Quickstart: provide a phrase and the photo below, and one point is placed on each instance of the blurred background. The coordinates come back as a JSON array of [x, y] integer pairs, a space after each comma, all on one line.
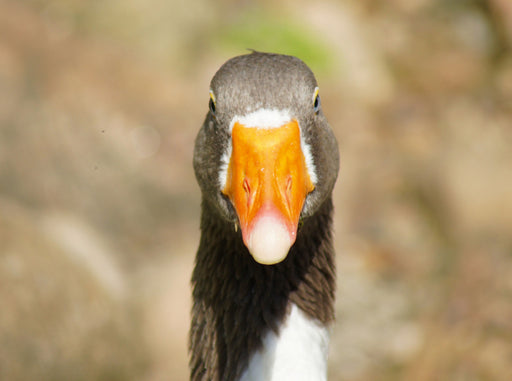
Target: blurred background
[[100, 102]]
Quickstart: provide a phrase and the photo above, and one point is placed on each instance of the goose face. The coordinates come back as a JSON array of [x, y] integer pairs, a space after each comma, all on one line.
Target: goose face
[[265, 157]]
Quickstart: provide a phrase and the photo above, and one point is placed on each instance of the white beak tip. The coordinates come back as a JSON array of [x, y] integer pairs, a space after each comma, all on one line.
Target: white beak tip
[[269, 241]]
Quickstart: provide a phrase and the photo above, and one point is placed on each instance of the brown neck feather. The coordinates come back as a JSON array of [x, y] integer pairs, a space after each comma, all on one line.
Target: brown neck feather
[[237, 301]]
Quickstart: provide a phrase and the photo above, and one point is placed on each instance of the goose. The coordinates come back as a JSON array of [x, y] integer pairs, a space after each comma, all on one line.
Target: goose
[[266, 162]]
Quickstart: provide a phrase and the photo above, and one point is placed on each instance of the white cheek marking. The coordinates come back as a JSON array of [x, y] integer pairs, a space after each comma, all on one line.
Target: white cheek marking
[[262, 118], [308, 157], [224, 164], [298, 353]]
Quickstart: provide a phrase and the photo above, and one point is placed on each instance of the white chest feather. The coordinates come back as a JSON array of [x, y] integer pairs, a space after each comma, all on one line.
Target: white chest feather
[[298, 353]]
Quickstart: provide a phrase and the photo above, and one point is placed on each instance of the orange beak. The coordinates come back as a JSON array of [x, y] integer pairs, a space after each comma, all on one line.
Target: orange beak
[[267, 182]]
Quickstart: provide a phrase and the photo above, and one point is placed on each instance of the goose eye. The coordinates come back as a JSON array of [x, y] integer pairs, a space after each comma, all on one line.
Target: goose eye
[[211, 104], [316, 105], [316, 101]]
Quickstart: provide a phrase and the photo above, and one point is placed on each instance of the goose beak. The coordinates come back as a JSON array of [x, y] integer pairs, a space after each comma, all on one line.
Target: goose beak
[[267, 181]]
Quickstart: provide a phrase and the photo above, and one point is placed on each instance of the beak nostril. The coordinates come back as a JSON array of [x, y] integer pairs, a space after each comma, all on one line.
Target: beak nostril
[[247, 187], [289, 184], [288, 191]]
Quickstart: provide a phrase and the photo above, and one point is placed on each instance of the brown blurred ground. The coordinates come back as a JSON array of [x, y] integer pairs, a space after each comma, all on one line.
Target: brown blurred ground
[[99, 106]]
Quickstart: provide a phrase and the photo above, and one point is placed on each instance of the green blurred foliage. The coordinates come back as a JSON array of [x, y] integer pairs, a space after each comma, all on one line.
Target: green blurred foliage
[[267, 32]]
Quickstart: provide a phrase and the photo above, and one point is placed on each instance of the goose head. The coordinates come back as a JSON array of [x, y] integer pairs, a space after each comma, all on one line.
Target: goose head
[[265, 158]]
